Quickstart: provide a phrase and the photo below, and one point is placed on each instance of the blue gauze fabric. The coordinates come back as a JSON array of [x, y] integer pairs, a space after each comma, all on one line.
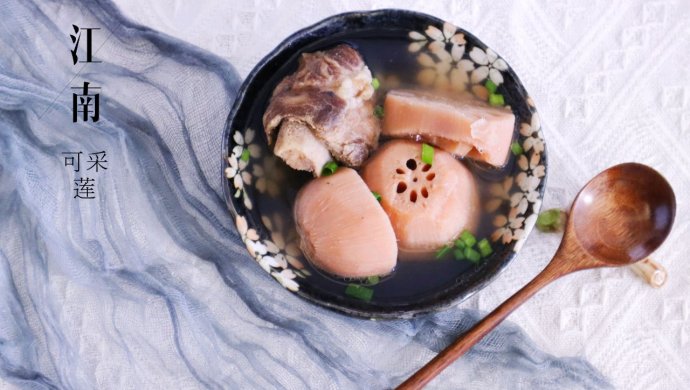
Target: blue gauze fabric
[[148, 285]]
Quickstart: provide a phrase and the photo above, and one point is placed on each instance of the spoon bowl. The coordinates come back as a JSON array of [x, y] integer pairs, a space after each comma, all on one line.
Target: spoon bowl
[[623, 214], [620, 217]]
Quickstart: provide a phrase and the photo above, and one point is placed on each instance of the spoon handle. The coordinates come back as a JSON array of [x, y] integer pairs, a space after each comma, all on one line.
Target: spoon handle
[[478, 331], [652, 272]]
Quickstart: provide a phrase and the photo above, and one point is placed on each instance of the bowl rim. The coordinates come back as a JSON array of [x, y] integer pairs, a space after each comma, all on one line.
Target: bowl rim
[[292, 42]]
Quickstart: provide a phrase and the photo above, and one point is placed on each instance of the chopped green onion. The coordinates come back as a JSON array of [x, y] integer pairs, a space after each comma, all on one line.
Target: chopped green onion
[[516, 148], [375, 83], [468, 238], [378, 112], [459, 254], [551, 220], [460, 244], [548, 217], [428, 154], [372, 280], [329, 168], [491, 86], [359, 292], [496, 99], [484, 247], [245, 155], [472, 255], [376, 195], [443, 251]]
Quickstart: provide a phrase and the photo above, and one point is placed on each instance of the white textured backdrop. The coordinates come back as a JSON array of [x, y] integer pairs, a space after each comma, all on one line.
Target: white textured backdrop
[[611, 79]]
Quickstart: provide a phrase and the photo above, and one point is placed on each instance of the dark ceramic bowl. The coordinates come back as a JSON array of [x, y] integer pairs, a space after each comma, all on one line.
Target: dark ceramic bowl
[[399, 47]]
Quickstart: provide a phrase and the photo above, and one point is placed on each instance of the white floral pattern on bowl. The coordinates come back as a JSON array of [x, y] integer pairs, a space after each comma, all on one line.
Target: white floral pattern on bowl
[[267, 254], [447, 65], [275, 256], [238, 161]]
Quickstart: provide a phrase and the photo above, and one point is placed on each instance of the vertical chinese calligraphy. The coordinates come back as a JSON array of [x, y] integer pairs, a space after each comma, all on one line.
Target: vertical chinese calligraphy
[[84, 103], [85, 106], [85, 187], [76, 39], [97, 160], [73, 160]]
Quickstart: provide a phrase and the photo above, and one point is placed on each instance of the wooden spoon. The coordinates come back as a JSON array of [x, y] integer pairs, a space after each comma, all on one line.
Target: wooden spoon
[[620, 217]]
